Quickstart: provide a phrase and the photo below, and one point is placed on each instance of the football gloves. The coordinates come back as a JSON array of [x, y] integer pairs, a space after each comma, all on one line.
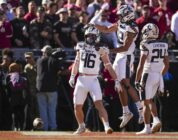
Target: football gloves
[[138, 86], [72, 80], [117, 86]]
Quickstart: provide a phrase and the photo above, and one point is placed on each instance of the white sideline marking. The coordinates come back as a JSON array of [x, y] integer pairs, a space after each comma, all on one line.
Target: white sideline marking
[[42, 133]]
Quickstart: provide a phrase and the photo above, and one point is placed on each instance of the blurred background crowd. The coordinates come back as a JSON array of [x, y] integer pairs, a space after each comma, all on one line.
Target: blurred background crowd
[[27, 26]]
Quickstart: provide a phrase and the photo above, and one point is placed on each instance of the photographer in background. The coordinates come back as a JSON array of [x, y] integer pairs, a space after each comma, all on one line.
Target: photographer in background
[[46, 84]]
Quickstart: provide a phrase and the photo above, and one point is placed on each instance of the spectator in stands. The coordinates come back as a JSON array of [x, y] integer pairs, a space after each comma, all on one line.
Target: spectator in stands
[[46, 84], [119, 3], [17, 95], [170, 38], [40, 30], [31, 74], [174, 23], [93, 7], [145, 2], [173, 5], [72, 14], [51, 13], [113, 16], [5, 31], [6, 118], [20, 36], [14, 3], [82, 4], [45, 3], [129, 2], [59, 3], [143, 20], [110, 10], [62, 30], [4, 7], [110, 39], [79, 27], [31, 12], [137, 4], [153, 5], [163, 15]]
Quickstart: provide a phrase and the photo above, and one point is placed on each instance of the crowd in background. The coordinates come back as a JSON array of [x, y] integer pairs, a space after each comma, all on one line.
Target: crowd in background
[[60, 24]]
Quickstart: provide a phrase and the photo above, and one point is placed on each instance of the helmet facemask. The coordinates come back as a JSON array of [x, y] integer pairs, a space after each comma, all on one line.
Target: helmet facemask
[[90, 39], [126, 13], [91, 35]]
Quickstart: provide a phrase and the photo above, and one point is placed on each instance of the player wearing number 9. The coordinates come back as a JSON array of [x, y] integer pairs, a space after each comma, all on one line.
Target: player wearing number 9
[[153, 64], [87, 64], [127, 31]]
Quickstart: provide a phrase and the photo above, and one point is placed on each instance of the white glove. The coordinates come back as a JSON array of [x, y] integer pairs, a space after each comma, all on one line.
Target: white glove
[[105, 6], [72, 80], [117, 86]]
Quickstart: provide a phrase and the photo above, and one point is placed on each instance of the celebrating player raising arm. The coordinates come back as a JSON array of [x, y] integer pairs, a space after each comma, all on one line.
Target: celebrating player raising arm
[[127, 31]]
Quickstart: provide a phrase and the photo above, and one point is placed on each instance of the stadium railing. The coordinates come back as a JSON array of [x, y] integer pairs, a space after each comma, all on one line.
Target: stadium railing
[[70, 54]]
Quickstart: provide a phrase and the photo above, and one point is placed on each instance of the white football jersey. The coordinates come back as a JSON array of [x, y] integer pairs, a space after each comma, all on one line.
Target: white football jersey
[[121, 33], [89, 58], [156, 51]]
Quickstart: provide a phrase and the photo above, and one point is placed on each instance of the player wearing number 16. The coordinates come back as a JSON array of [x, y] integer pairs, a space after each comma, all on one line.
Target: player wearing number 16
[[87, 63], [153, 64]]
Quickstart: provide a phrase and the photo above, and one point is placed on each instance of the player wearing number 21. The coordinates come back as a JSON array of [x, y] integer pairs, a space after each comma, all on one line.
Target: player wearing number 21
[[87, 63], [153, 64]]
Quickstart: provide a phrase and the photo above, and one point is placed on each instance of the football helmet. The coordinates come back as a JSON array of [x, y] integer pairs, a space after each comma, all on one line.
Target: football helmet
[[91, 35], [150, 31], [126, 13]]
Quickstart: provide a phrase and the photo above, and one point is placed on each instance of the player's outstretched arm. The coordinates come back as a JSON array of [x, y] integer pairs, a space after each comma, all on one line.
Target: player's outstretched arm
[[127, 43], [108, 66], [105, 29]]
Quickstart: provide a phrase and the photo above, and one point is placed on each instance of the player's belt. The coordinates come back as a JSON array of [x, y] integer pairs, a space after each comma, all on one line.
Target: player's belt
[[84, 74]]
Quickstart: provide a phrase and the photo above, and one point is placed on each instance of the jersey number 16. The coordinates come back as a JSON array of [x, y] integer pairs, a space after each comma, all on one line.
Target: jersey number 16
[[88, 61]]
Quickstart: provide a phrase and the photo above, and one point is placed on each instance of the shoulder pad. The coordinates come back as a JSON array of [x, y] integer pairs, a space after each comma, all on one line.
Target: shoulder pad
[[144, 46], [80, 46], [103, 50], [133, 28]]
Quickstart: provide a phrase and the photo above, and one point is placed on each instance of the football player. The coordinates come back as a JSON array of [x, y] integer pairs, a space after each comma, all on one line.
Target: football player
[[87, 65], [127, 31], [153, 64]]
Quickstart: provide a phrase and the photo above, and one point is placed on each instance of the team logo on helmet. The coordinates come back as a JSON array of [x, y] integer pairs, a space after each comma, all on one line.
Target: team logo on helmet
[[150, 31], [126, 13], [91, 35]]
